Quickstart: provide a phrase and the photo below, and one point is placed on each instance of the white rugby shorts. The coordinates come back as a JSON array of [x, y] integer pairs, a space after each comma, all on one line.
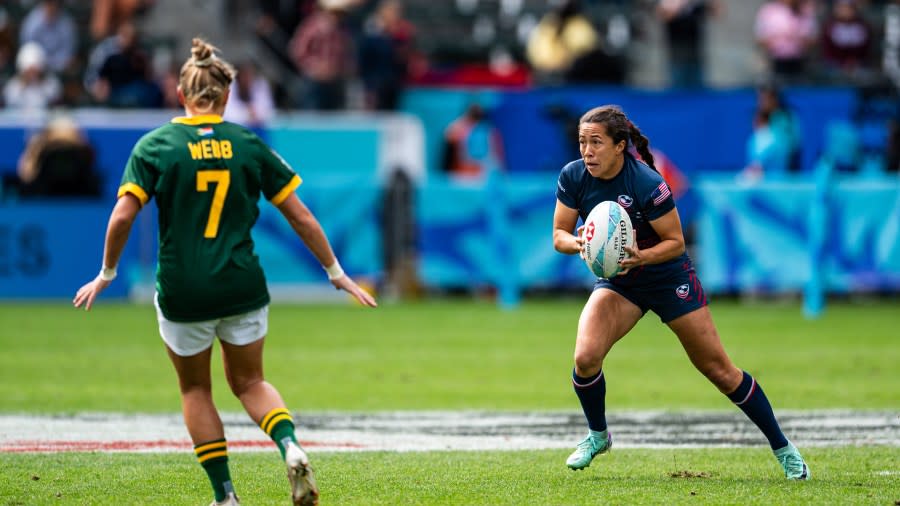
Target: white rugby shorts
[[190, 338]]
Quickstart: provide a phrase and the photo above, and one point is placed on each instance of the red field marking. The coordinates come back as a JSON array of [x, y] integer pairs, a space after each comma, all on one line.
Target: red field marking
[[133, 446]]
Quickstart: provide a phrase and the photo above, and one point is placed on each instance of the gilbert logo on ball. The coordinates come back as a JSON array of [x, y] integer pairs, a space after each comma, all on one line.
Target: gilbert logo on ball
[[607, 232]]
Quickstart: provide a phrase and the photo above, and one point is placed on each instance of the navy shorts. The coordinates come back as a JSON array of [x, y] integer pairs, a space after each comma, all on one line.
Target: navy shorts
[[670, 296]]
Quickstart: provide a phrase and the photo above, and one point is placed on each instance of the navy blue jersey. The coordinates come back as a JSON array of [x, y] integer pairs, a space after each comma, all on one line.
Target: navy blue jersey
[[640, 190]]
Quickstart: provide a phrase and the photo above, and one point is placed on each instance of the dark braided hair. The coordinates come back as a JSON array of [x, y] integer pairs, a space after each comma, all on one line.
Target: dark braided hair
[[620, 128]]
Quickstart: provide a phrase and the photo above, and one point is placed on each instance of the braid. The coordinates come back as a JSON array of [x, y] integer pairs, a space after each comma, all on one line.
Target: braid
[[642, 144]]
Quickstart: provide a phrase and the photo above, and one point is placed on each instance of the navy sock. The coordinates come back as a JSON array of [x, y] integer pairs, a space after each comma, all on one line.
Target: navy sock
[[750, 397], [592, 394]]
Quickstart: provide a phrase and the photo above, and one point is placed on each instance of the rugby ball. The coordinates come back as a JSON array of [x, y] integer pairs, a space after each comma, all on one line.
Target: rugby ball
[[607, 230]]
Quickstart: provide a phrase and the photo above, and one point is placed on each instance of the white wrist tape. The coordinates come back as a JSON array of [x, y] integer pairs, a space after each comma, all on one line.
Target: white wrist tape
[[334, 270], [107, 273]]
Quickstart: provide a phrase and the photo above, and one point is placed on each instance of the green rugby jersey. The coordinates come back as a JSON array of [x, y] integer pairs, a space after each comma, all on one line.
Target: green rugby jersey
[[207, 175]]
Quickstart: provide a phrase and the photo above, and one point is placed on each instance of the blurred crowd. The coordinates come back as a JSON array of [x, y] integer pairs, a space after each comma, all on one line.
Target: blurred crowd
[[342, 53], [337, 54], [361, 54]]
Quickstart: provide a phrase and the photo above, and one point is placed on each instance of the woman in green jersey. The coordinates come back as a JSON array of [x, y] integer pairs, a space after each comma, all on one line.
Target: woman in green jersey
[[207, 176]]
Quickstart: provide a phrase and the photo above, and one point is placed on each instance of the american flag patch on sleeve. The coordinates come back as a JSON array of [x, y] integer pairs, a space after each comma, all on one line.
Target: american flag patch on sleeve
[[660, 194]]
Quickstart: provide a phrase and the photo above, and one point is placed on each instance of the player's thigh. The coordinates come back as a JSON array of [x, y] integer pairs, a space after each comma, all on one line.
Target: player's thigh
[[242, 337], [243, 364], [606, 317], [701, 342], [192, 370]]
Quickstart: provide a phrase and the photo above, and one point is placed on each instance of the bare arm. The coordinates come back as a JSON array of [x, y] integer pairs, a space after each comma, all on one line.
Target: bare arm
[[308, 228], [310, 231], [117, 232], [564, 221], [668, 227]]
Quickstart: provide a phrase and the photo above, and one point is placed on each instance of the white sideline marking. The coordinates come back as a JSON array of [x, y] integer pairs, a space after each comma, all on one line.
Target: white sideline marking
[[445, 430]]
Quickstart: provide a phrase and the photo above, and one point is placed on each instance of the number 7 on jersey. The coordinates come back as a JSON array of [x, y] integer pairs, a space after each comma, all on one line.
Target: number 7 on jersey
[[221, 178]]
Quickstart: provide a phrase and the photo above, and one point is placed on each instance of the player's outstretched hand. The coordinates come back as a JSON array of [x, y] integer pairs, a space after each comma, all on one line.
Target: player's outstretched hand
[[89, 292], [348, 285]]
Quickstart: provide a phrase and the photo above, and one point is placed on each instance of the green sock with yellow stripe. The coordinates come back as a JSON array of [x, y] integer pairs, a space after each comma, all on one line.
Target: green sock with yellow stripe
[[279, 425], [213, 456]]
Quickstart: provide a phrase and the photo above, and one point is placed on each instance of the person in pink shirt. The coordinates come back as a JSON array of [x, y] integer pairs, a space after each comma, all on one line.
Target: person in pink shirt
[[786, 31], [322, 51]]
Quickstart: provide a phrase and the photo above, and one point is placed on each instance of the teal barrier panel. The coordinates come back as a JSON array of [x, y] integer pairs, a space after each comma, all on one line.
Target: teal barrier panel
[[460, 246], [345, 151], [350, 214], [757, 238]]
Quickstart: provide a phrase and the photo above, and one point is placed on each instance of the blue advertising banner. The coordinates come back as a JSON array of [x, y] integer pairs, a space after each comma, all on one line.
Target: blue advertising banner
[[50, 249], [758, 237]]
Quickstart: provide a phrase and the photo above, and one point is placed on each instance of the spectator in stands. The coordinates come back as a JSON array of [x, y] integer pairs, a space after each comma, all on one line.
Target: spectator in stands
[[168, 83], [472, 145], [275, 23], [322, 50], [786, 32], [278, 19], [250, 102], [891, 42], [774, 146], [684, 22], [58, 162], [384, 53], [7, 46], [107, 16], [51, 27], [846, 41], [32, 89], [119, 72], [562, 36]]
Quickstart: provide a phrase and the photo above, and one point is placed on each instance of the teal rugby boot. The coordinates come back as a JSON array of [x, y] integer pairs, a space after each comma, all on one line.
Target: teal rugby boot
[[593, 445], [794, 466]]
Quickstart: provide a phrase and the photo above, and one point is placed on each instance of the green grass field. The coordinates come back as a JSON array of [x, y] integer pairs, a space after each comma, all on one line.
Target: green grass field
[[450, 355], [456, 355], [722, 476]]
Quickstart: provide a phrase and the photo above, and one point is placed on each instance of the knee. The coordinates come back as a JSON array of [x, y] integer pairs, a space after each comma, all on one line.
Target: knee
[[240, 386], [587, 364], [723, 375], [196, 390]]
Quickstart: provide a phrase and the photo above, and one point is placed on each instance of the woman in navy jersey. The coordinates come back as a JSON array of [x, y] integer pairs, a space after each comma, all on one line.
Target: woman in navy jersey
[[658, 276]]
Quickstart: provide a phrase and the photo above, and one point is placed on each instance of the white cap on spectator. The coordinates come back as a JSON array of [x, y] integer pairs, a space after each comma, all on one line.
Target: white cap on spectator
[[30, 55], [343, 5]]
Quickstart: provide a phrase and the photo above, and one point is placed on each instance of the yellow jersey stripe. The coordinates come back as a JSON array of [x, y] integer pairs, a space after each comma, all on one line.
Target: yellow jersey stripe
[[213, 455], [135, 190], [287, 190], [201, 119], [270, 415], [275, 421], [209, 446]]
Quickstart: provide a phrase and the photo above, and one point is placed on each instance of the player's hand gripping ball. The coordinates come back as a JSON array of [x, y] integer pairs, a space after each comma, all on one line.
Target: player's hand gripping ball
[[606, 232]]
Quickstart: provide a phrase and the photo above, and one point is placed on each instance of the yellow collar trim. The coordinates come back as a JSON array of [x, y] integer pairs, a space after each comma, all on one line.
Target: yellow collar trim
[[203, 119]]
